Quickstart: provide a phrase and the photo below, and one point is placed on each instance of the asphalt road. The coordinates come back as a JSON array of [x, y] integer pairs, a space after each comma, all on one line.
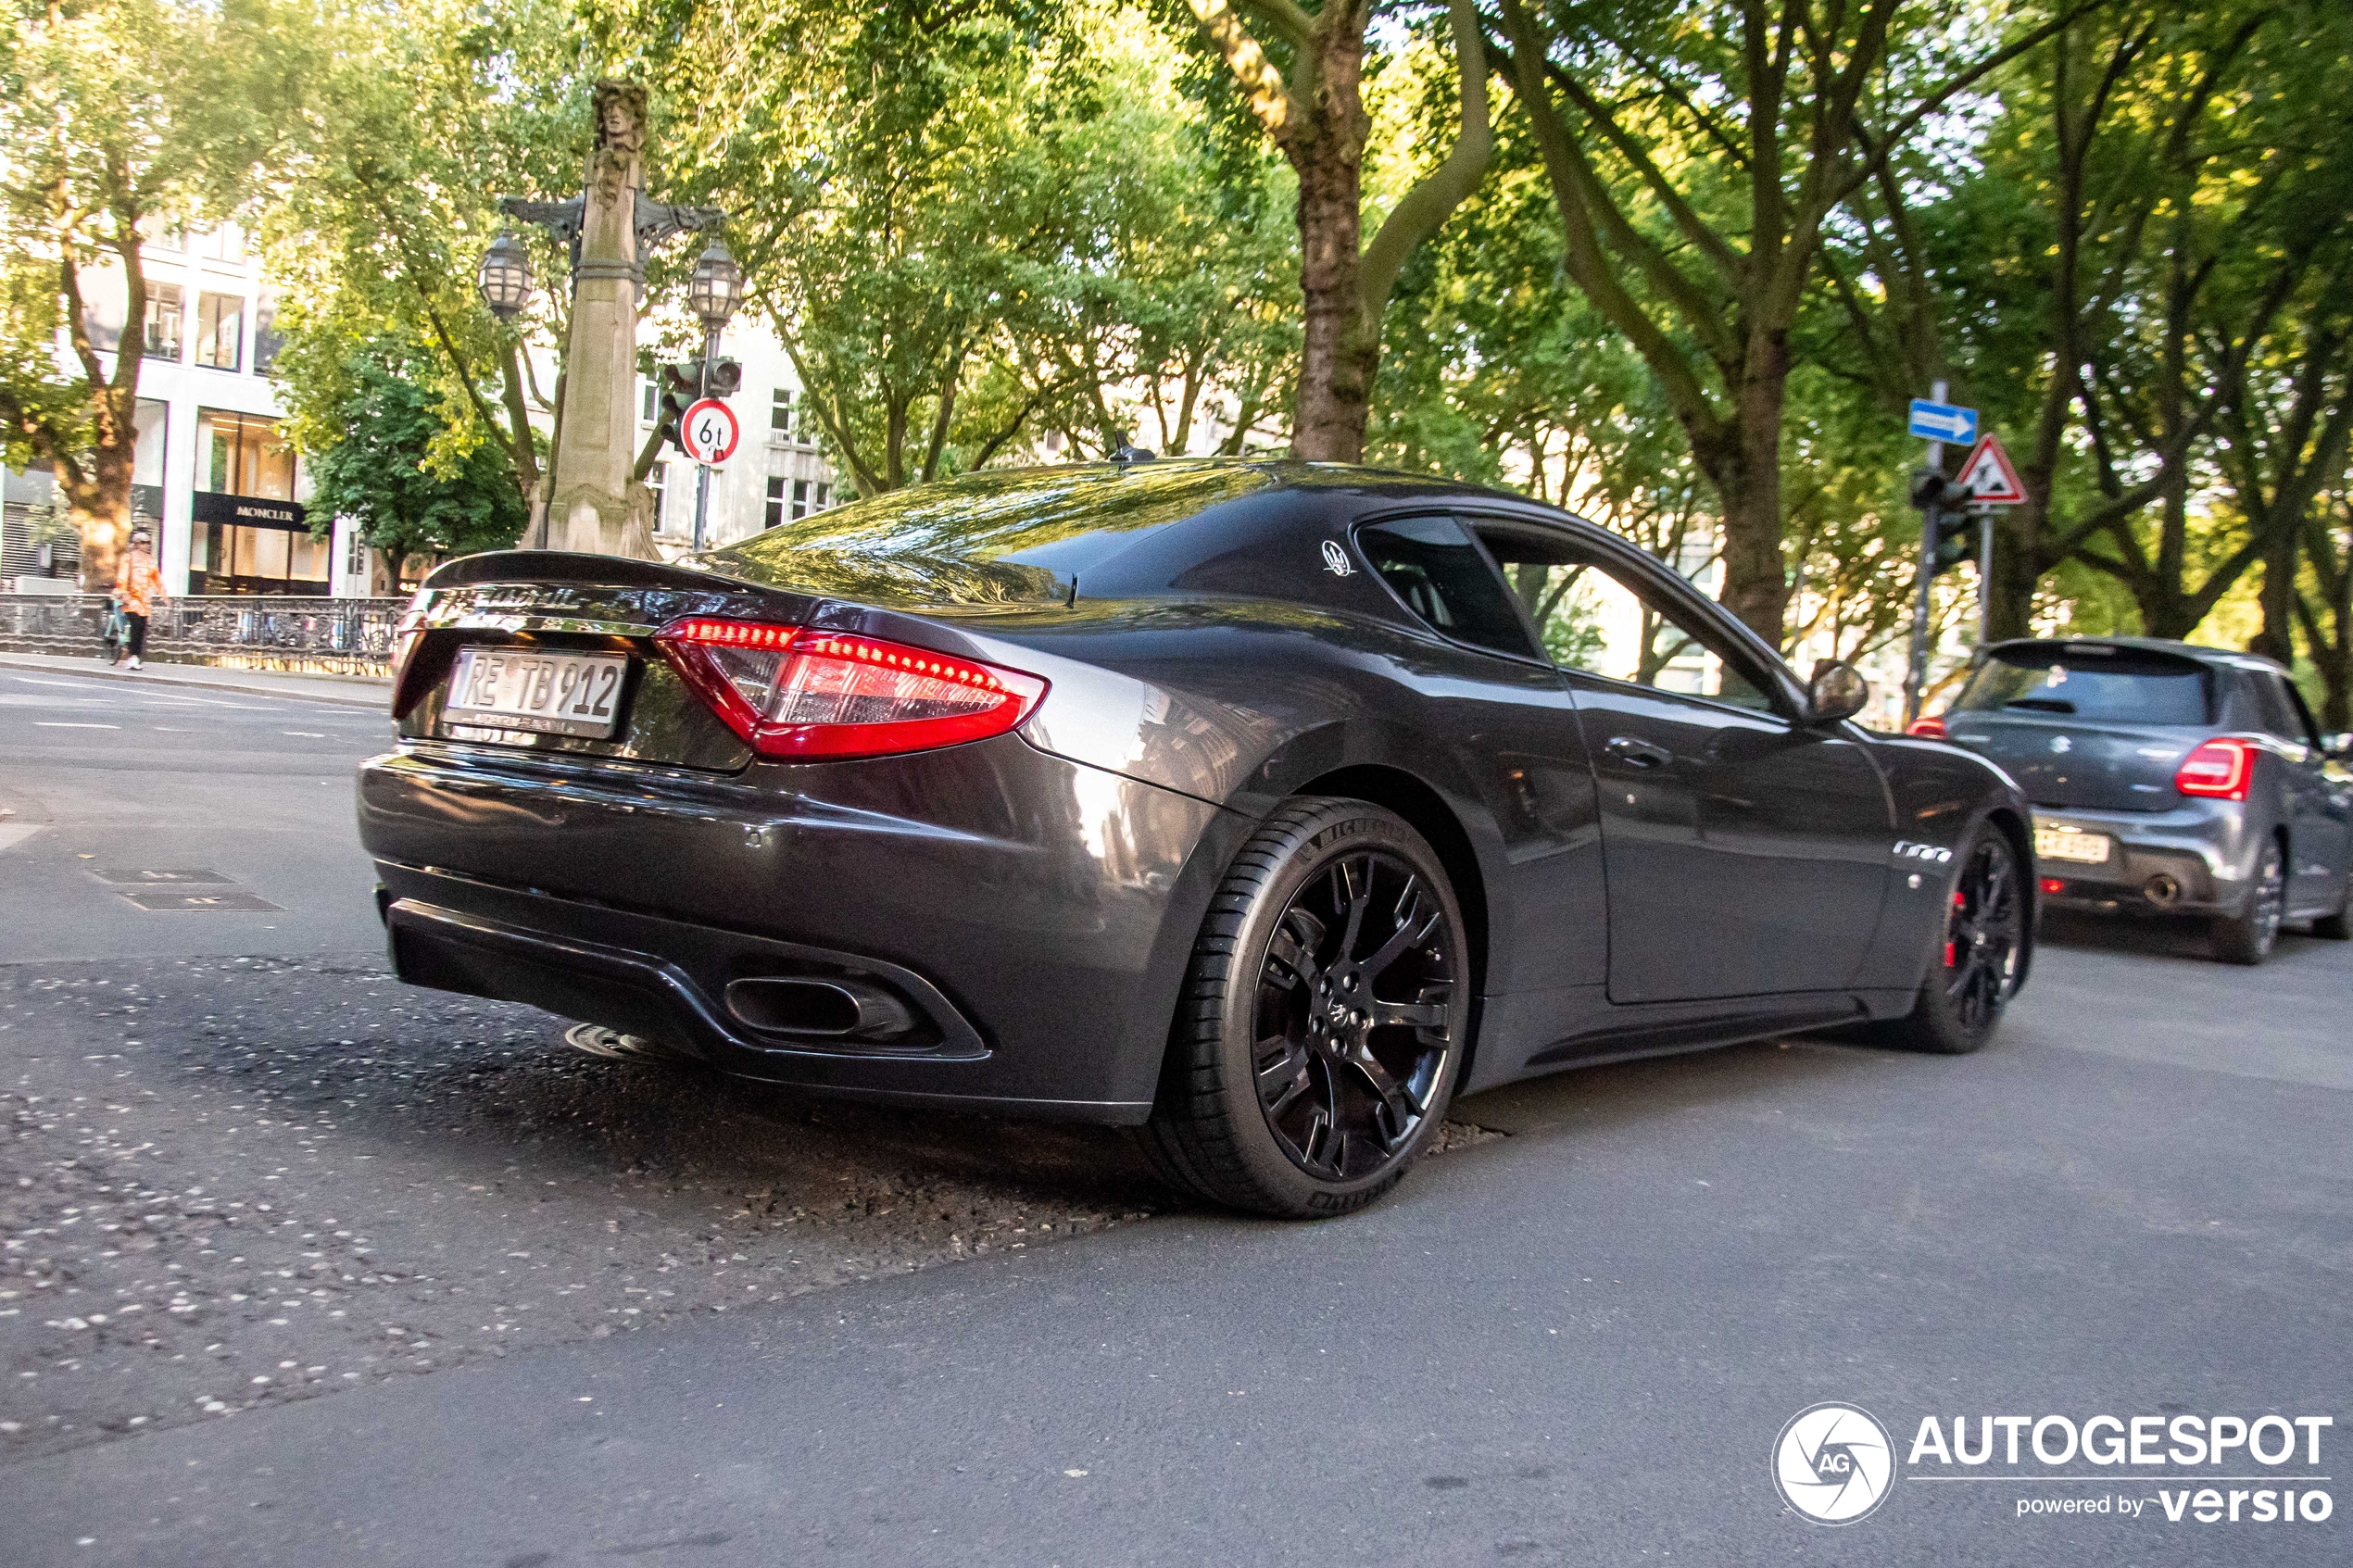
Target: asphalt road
[[1576, 1342]]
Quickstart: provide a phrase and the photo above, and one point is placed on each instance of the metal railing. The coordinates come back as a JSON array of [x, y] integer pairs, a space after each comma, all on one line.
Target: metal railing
[[312, 635]]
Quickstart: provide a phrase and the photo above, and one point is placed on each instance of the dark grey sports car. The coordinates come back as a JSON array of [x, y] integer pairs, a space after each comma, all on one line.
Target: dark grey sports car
[[1263, 806]]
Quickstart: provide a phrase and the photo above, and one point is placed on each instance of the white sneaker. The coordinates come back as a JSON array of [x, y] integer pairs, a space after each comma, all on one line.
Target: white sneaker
[[135, 661]]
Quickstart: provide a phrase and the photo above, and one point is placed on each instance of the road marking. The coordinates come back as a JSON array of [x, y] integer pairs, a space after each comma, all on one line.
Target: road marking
[[306, 734], [34, 681], [14, 834], [168, 730], [61, 725]]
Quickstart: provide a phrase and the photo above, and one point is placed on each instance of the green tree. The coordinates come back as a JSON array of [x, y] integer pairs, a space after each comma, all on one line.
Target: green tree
[[1307, 95], [1697, 153], [393, 472], [119, 116], [412, 126]]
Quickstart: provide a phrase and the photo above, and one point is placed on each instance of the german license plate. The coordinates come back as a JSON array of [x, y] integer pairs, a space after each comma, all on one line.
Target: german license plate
[[551, 694], [2072, 844]]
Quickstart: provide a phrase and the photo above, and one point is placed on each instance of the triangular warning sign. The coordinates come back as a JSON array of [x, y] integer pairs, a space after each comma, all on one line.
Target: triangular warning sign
[[1989, 477]]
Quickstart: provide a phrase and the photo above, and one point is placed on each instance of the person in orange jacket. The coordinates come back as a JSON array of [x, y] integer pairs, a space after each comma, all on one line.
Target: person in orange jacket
[[138, 588]]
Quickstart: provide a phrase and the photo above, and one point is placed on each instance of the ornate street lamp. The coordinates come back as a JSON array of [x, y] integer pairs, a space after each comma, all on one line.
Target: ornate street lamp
[[717, 287], [504, 279]]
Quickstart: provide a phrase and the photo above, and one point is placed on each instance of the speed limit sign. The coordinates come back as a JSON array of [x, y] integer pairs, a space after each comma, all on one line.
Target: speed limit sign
[[708, 431]]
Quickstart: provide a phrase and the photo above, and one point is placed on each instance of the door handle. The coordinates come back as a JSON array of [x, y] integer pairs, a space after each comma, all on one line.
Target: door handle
[[1639, 753]]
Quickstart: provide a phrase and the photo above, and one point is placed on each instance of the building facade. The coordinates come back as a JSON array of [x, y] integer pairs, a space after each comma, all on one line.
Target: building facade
[[228, 499]]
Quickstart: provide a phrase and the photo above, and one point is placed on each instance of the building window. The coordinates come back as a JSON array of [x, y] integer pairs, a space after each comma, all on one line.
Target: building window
[[652, 399], [165, 307], [799, 497], [224, 243], [355, 558], [780, 412], [221, 319], [267, 339], [824, 495], [658, 480], [240, 455], [775, 513]]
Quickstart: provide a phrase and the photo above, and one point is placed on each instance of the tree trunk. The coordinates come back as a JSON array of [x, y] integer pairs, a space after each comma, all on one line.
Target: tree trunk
[[1325, 143], [2277, 593], [1756, 579]]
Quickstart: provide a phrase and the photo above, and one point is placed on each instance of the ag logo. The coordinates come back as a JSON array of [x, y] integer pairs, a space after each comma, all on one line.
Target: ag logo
[[1336, 560], [1833, 1463]]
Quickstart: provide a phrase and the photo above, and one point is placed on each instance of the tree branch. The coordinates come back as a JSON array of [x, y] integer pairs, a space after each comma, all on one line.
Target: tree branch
[[1262, 84], [1420, 212]]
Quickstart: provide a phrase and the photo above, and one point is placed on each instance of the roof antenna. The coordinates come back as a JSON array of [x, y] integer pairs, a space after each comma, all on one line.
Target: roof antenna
[[1124, 451]]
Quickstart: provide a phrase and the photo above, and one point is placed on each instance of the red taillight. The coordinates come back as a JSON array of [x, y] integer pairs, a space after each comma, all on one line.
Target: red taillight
[[1932, 725], [803, 694], [2218, 770], [2052, 886]]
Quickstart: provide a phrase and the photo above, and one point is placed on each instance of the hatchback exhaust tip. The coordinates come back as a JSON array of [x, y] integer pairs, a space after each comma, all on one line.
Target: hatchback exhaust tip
[[2162, 891]]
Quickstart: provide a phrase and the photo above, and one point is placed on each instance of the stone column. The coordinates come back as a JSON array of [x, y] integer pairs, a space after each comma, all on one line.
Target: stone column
[[593, 504]]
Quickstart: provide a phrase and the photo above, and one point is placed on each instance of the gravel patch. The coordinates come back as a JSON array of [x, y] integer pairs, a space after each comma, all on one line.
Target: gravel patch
[[233, 1182]]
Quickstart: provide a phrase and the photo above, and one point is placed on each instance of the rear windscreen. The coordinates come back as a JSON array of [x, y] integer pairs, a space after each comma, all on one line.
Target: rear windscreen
[[1001, 535], [2091, 682]]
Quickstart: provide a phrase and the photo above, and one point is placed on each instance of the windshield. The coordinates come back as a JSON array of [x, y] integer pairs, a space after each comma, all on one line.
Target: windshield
[[2089, 681]]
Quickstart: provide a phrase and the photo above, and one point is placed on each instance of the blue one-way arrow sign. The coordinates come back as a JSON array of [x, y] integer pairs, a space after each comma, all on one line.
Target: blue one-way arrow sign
[[1943, 422]]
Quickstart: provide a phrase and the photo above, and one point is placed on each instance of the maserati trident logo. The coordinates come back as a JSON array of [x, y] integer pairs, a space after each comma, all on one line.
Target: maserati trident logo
[[1336, 560], [1835, 1464]]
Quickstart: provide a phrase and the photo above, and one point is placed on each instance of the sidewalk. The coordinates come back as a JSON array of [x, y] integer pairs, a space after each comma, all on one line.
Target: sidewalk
[[352, 691]]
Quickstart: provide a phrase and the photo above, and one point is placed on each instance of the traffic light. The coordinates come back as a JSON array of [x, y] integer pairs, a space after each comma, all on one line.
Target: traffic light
[[680, 385], [1944, 500], [721, 378]]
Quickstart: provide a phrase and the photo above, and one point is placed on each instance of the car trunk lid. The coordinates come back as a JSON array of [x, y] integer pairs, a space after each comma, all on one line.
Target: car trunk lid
[[2096, 725], [2060, 762]]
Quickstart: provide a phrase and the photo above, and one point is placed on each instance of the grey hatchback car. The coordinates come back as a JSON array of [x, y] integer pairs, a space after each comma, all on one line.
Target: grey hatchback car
[[2168, 778]]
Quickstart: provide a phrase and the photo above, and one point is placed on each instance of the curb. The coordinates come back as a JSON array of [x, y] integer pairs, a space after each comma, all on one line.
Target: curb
[[379, 701]]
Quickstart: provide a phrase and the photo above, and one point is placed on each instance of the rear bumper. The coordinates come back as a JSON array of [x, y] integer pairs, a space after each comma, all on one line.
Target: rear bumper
[[1017, 925], [2198, 858]]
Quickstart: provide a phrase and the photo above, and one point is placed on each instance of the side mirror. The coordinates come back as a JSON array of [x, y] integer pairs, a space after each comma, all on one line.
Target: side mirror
[[1837, 690]]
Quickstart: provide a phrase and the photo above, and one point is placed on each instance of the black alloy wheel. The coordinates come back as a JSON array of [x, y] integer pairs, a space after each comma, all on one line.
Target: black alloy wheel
[[1325, 1018], [1345, 1074], [1977, 966], [1981, 934], [2248, 938]]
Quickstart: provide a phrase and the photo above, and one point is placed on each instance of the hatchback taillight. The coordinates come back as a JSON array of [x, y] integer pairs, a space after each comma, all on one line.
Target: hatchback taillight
[[1931, 725], [2218, 770], [802, 695]]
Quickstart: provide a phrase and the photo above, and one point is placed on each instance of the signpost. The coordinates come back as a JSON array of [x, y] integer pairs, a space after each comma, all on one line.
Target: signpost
[[1992, 481], [706, 432], [1936, 422]]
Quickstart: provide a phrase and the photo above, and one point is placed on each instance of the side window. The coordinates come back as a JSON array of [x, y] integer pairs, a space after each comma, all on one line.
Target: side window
[[1441, 573], [1593, 619], [2280, 710]]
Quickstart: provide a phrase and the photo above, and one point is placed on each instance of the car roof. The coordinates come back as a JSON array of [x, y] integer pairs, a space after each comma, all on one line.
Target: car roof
[[2229, 658]]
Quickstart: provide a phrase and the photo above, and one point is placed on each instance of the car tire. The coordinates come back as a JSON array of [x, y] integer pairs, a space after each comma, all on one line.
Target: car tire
[[2247, 937], [1308, 1066], [1980, 955]]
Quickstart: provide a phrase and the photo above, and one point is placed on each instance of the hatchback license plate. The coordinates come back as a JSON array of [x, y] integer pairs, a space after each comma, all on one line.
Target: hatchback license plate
[[2072, 844], [551, 694]]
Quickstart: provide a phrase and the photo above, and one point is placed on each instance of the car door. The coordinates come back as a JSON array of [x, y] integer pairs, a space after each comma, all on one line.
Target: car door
[[1744, 853], [2316, 806]]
